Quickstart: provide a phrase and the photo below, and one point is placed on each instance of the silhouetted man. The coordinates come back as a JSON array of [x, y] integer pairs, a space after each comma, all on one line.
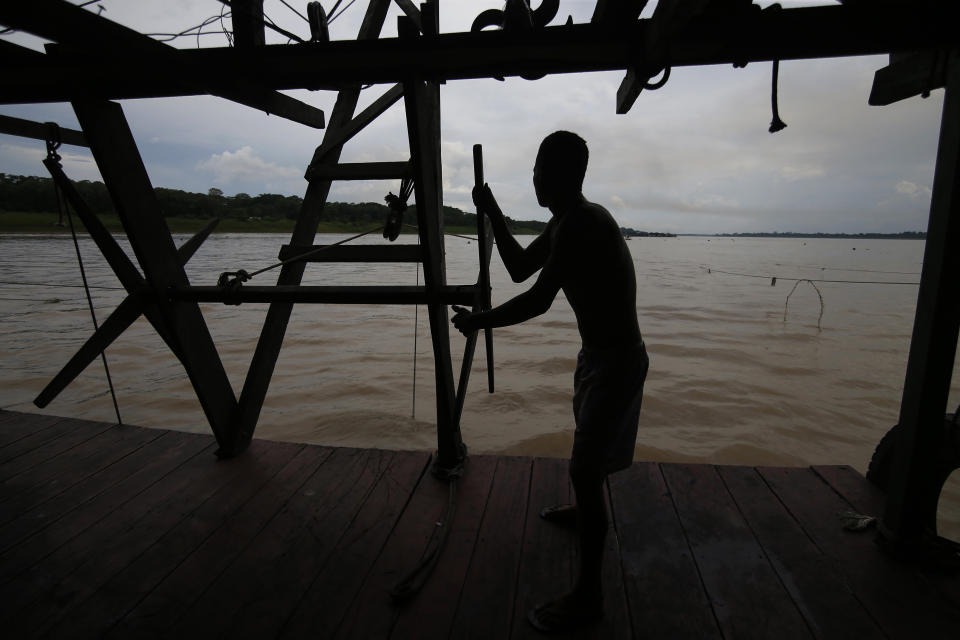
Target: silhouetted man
[[581, 251]]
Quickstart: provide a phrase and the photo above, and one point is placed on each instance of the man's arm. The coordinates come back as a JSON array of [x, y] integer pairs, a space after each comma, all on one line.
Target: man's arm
[[529, 304], [520, 263]]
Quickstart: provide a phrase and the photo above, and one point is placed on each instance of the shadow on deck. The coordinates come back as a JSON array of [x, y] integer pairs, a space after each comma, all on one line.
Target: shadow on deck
[[121, 531]]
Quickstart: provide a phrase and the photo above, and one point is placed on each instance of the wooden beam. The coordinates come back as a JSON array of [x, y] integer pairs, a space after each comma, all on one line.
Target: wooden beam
[[911, 505], [278, 315], [68, 24], [41, 131], [412, 12], [617, 14], [359, 171], [126, 179], [909, 75], [669, 17], [136, 303], [355, 253], [300, 294], [345, 133], [422, 104], [811, 32], [247, 19]]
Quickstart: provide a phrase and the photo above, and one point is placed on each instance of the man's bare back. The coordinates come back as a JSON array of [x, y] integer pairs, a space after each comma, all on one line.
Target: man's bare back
[[601, 287]]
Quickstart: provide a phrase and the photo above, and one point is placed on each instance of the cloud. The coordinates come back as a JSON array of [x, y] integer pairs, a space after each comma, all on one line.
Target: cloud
[[801, 173], [244, 165], [913, 190]]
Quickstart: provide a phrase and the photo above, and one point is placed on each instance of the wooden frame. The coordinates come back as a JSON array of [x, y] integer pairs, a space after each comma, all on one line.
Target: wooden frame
[[416, 62]]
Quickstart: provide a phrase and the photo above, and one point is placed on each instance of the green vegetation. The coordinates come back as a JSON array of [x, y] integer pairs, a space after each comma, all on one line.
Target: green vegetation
[[28, 205]]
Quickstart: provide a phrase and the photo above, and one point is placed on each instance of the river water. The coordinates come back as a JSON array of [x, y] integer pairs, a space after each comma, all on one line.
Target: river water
[[732, 380]]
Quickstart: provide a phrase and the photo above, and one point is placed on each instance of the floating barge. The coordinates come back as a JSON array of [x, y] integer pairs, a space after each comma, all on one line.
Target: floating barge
[[121, 531]]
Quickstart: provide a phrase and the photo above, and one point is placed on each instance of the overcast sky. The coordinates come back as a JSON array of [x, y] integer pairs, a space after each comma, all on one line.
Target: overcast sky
[[693, 157]]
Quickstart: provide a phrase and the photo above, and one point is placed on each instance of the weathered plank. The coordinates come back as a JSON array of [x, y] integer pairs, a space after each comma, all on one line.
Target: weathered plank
[[90, 500], [312, 521], [486, 607], [24, 432], [664, 591], [823, 596], [902, 602], [156, 614], [348, 570], [111, 600], [430, 614], [71, 573], [333, 584], [66, 434], [24, 491], [370, 612], [748, 599], [546, 568], [866, 498]]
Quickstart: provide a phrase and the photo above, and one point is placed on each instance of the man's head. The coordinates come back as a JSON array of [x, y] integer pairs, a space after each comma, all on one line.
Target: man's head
[[560, 167]]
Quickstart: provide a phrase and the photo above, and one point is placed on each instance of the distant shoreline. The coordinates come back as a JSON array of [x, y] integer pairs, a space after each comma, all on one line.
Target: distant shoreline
[[903, 235]]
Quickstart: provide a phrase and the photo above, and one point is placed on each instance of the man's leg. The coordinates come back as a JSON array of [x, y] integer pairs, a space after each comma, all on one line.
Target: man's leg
[[591, 531], [584, 604]]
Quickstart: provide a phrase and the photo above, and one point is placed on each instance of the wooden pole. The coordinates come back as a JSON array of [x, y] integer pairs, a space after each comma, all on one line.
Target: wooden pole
[[910, 506], [485, 242], [275, 325], [422, 102], [247, 19]]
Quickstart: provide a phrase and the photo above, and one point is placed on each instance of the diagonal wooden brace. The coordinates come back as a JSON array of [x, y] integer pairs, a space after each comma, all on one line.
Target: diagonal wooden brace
[[133, 306], [126, 178]]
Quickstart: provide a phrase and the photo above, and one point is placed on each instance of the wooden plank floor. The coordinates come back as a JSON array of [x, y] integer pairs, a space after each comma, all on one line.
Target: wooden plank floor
[[118, 531]]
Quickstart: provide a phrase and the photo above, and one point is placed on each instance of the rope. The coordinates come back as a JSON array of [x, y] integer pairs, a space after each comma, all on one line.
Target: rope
[[446, 233], [811, 280], [776, 124], [233, 279], [411, 584], [52, 146]]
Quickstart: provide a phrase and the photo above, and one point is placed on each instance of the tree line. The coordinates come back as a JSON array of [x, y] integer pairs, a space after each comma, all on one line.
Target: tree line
[[36, 194]]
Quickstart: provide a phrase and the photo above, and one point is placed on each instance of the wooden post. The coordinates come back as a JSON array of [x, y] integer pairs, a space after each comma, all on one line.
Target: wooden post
[[275, 326], [934, 342], [247, 19], [118, 158], [422, 102]]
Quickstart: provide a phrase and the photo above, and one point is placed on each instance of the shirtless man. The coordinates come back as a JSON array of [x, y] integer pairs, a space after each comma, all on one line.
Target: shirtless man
[[581, 251]]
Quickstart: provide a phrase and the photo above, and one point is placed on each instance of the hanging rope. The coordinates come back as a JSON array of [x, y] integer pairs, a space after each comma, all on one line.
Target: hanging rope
[[233, 279], [776, 124], [52, 146]]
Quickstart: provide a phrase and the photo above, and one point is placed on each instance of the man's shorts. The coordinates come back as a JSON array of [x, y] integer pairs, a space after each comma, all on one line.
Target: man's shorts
[[608, 392]]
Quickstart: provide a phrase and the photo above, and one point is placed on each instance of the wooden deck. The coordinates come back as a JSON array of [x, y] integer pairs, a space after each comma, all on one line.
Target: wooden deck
[[130, 532]]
